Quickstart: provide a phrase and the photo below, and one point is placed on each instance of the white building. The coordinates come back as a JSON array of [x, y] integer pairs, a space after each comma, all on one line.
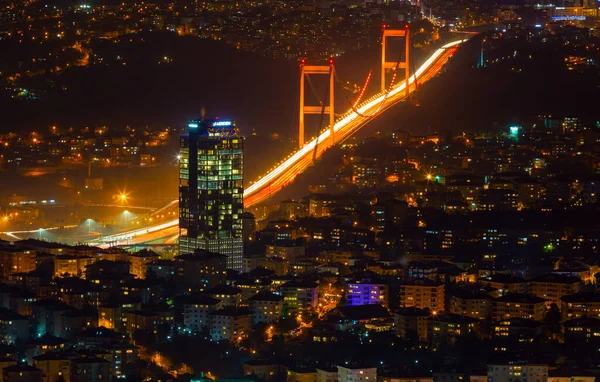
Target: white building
[[355, 374], [232, 324], [517, 372], [196, 313], [327, 375]]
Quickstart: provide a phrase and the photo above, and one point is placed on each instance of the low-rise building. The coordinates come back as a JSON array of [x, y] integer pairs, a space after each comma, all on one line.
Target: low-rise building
[[476, 304], [71, 265], [200, 271], [518, 305], [356, 374], [232, 324], [22, 373], [228, 295], [422, 294], [196, 313], [16, 260], [13, 327], [504, 284], [265, 370], [298, 296], [266, 307], [552, 287], [90, 369], [161, 269], [366, 292], [55, 366], [287, 250], [580, 305], [139, 262], [517, 329], [327, 374], [412, 323], [301, 375], [517, 371], [579, 331], [447, 328]]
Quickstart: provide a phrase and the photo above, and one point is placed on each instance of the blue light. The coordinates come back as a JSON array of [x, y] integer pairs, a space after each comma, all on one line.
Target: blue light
[[568, 18], [193, 125], [222, 123]]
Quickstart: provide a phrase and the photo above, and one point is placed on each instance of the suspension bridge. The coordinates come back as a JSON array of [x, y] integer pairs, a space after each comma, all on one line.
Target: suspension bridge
[[359, 114]]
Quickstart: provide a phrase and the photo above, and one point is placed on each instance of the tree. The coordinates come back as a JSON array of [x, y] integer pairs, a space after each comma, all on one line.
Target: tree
[[552, 323]]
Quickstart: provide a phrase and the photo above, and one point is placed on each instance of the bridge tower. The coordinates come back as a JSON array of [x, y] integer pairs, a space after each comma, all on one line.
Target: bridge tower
[[306, 70], [385, 64]]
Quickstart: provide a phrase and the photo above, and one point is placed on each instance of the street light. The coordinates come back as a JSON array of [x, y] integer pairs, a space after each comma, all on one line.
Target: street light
[[125, 215]]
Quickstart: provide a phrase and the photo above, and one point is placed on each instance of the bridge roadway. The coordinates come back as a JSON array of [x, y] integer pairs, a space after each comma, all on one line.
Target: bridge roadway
[[347, 125], [285, 172]]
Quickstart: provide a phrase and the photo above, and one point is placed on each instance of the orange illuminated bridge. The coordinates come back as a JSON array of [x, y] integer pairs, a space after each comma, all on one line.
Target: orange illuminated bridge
[[349, 123]]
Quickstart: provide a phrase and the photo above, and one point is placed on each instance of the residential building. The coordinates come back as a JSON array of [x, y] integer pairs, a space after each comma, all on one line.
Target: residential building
[[266, 307], [22, 373], [517, 329], [200, 271], [504, 284], [472, 304], [56, 367], [412, 323], [286, 249], [230, 323], [552, 287], [447, 328], [366, 292], [298, 296], [580, 305], [139, 262], [196, 312], [518, 305], [356, 374], [517, 371], [422, 294], [90, 369]]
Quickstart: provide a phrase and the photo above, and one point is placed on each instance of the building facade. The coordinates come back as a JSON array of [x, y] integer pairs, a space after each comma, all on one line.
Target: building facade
[[211, 189]]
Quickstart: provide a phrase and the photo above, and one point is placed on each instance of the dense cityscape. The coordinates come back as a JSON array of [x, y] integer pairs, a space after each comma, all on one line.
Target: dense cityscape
[[438, 223]]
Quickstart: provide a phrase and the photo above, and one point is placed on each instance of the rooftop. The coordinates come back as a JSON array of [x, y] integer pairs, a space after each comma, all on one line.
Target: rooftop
[[363, 312], [523, 298], [556, 278]]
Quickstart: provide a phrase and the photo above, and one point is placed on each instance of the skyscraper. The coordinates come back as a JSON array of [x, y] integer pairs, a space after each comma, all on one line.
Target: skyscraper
[[211, 190]]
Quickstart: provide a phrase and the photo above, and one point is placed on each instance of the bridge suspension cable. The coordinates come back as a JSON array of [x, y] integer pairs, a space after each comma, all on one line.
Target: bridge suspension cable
[[331, 71], [388, 90]]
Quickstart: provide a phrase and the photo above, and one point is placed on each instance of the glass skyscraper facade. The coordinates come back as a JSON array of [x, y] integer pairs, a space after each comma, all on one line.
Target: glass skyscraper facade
[[211, 189]]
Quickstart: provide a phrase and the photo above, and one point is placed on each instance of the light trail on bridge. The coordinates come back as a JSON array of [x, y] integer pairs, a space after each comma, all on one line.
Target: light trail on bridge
[[287, 171]]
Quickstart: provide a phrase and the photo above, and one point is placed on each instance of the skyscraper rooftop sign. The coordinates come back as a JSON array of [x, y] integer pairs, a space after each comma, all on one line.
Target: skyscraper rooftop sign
[[222, 123]]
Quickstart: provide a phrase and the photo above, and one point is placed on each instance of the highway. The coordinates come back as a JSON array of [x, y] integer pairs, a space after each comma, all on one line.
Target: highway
[[347, 125], [285, 172]]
